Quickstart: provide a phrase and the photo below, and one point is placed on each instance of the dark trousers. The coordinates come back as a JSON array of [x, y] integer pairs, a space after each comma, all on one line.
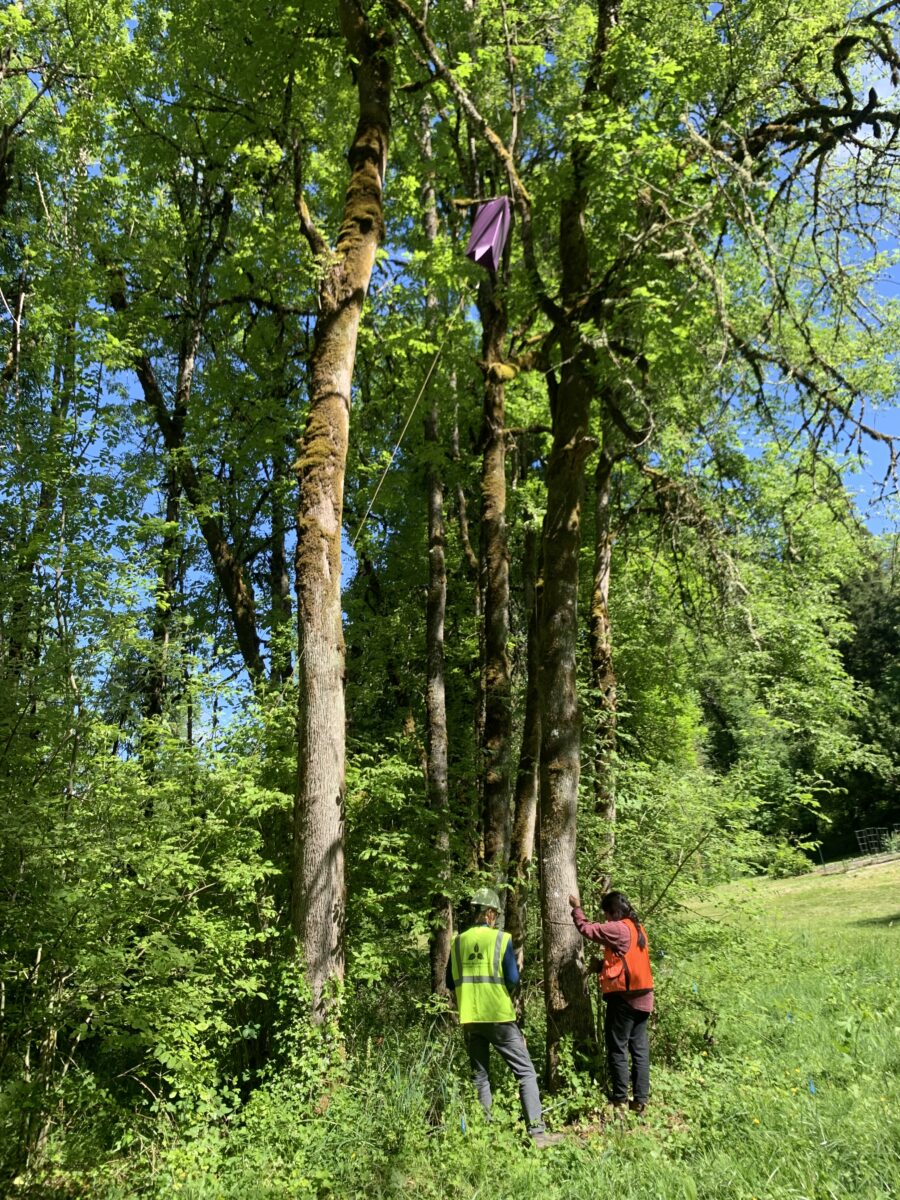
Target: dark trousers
[[626, 1032]]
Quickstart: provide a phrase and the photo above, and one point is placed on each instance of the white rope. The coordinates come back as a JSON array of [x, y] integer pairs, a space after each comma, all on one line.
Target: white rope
[[434, 363]]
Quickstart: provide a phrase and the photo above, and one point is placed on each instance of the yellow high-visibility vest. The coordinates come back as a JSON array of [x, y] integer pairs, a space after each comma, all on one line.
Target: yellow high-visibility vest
[[476, 960]]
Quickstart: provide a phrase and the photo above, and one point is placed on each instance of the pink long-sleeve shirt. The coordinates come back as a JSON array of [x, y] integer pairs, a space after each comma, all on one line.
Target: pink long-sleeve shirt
[[617, 935]]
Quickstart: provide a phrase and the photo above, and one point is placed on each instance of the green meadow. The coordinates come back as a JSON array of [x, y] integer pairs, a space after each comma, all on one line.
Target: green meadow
[[776, 1076]]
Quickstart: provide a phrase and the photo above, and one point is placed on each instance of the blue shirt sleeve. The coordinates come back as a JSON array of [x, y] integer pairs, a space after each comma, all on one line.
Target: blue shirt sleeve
[[510, 967]]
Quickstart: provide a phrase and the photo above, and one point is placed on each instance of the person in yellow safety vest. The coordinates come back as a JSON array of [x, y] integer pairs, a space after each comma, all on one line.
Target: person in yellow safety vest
[[481, 972]]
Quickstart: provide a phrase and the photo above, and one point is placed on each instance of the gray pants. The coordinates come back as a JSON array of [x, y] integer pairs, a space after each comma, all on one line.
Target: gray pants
[[506, 1038]]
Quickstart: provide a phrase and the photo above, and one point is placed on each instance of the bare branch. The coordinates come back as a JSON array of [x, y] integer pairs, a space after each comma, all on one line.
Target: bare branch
[[317, 243]]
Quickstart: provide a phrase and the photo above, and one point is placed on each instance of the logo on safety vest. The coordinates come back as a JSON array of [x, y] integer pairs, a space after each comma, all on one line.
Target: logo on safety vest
[[475, 953]]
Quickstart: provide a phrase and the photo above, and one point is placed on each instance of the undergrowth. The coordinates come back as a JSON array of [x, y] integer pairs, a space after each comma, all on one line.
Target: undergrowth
[[775, 1077]]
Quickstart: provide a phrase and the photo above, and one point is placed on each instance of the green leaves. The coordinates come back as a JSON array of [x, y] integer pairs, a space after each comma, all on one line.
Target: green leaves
[[152, 162]]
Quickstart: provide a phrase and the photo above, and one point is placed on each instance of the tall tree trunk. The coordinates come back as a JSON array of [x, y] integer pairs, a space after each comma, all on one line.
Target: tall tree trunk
[[436, 708], [528, 776], [471, 807], [165, 590], [462, 509], [318, 846], [568, 1005], [22, 638], [10, 373], [228, 568], [280, 665], [603, 675], [496, 669], [566, 998], [435, 610]]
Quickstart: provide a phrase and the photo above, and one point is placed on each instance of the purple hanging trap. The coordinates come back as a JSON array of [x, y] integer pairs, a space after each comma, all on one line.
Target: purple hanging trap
[[489, 233]]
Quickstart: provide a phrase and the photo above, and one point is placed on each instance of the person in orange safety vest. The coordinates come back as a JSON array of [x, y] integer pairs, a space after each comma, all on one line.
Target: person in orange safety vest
[[626, 984]]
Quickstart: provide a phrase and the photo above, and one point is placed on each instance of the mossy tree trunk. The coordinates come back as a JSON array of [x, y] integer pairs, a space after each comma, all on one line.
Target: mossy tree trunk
[[436, 709], [318, 840]]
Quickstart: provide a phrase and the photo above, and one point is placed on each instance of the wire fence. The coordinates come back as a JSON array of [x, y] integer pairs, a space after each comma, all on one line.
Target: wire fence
[[878, 839], [877, 843]]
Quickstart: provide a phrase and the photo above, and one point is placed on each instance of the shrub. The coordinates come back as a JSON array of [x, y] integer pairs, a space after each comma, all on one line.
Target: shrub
[[787, 860]]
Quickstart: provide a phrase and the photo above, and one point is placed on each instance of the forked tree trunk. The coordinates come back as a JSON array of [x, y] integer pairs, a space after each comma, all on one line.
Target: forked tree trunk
[[603, 676], [528, 776], [318, 844], [496, 669]]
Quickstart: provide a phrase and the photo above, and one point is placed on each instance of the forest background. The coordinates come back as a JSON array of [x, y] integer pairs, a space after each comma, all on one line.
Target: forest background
[[341, 575]]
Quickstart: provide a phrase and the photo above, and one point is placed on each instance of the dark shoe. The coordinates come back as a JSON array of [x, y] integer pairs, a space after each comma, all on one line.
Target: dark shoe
[[542, 1139], [637, 1106], [619, 1108]]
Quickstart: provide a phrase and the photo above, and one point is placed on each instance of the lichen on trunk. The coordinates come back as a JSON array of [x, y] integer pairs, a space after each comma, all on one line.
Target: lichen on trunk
[[318, 841]]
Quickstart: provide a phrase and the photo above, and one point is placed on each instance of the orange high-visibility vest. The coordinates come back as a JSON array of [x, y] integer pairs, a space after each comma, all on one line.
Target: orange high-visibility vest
[[629, 972]]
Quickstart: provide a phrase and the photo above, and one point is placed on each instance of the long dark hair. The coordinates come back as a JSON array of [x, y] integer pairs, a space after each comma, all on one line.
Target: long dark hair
[[618, 906]]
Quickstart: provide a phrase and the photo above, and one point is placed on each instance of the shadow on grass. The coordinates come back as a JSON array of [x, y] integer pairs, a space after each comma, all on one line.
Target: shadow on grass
[[887, 920]]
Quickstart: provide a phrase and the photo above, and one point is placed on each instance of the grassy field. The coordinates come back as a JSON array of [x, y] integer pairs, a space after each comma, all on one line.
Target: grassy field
[[811, 902], [776, 1077]]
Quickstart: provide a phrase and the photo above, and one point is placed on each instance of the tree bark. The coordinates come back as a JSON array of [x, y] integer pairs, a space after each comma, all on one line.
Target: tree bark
[[318, 845], [165, 589], [280, 664], [603, 676], [496, 669], [227, 566], [21, 641], [528, 776], [462, 508], [435, 610], [436, 709], [568, 1005]]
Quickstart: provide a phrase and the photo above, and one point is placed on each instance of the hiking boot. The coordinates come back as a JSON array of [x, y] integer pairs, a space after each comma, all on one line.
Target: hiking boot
[[637, 1106], [542, 1139]]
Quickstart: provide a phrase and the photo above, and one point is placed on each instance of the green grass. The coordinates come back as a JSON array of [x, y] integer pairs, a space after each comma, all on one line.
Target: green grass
[[810, 903], [776, 1077]]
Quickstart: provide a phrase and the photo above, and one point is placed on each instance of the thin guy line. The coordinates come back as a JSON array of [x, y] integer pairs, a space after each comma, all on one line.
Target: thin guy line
[[434, 363]]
